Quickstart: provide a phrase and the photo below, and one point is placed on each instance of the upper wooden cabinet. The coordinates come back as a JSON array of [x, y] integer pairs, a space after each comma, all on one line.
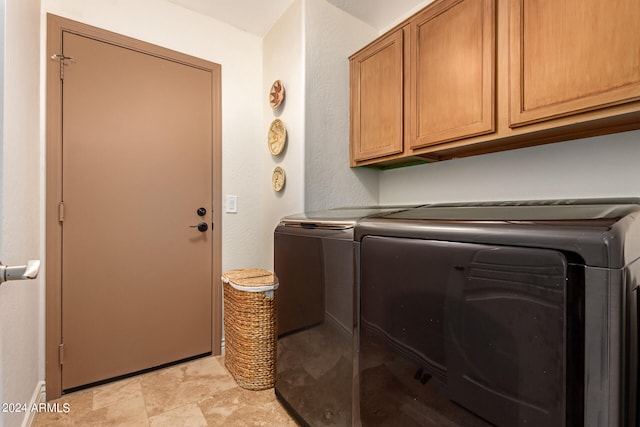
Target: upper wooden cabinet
[[452, 72], [466, 77], [377, 99], [572, 56]]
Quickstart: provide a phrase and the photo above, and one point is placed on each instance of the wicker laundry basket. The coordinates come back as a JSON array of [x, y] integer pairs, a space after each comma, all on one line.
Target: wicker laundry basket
[[250, 326]]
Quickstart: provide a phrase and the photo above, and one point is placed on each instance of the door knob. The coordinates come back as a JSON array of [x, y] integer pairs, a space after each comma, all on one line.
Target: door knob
[[203, 226]]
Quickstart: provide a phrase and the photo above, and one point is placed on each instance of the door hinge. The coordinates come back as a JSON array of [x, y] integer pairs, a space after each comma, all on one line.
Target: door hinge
[[60, 57], [61, 212], [61, 353]]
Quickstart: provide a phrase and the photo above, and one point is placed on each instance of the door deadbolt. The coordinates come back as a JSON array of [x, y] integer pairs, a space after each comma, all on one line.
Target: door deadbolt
[[203, 226], [201, 211]]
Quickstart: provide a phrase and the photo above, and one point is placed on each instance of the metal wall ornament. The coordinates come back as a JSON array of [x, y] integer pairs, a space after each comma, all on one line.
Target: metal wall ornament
[[276, 94], [277, 137]]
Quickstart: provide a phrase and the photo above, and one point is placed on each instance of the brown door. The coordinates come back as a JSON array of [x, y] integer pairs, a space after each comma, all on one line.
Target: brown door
[[136, 276]]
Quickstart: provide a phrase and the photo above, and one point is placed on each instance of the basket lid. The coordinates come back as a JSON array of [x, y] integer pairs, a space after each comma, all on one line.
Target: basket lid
[[251, 279]]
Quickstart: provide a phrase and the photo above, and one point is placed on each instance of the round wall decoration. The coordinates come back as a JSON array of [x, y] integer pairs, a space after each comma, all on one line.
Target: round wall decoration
[[278, 178], [276, 94], [277, 137]]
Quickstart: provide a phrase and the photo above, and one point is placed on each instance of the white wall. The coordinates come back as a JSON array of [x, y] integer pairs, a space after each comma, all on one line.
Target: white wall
[[604, 166], [331, 37], [307, 49], [240, 55], [21, 318], [284, 54]]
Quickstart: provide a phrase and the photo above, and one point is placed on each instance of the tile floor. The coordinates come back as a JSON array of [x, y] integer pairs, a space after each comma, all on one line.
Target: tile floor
[[193, 394]]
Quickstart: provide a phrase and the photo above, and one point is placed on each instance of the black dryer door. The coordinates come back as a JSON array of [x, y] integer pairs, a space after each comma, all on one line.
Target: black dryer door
[[486, 324], [505, 335]]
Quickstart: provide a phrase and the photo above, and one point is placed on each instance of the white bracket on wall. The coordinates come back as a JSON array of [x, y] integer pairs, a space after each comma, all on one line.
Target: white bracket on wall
[[24, 272]]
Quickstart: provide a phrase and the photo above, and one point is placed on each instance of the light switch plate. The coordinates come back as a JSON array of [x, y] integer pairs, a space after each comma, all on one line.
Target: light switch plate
[[231, 204]]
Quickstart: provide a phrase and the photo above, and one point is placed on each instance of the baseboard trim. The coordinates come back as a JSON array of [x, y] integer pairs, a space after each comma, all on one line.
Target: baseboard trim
[[39, 396]]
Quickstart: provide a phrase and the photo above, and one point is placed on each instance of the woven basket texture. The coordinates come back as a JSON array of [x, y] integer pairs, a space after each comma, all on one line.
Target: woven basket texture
[[250, 329]]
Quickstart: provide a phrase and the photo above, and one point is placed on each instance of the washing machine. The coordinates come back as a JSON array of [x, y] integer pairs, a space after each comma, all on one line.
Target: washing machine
[[315, 261]]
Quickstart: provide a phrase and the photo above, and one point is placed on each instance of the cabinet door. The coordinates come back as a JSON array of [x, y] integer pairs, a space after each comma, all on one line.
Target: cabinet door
[[452, 72], [571, 56], [377, 98]]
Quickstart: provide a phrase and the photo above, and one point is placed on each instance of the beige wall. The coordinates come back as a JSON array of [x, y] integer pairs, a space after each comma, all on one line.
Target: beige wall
[[283, 60], [603, 166], [331, 37], [21, 314]]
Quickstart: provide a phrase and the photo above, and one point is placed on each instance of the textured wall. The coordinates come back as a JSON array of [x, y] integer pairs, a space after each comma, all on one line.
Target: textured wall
[[20, 309], [283, 60], [331, 37], [602, 166]]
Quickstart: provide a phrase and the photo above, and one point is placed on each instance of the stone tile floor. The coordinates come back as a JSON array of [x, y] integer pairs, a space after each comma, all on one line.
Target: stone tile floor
[[196, 393]]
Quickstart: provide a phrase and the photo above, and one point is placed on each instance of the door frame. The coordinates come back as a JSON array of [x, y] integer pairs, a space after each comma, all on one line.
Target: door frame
[[53, 234]]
